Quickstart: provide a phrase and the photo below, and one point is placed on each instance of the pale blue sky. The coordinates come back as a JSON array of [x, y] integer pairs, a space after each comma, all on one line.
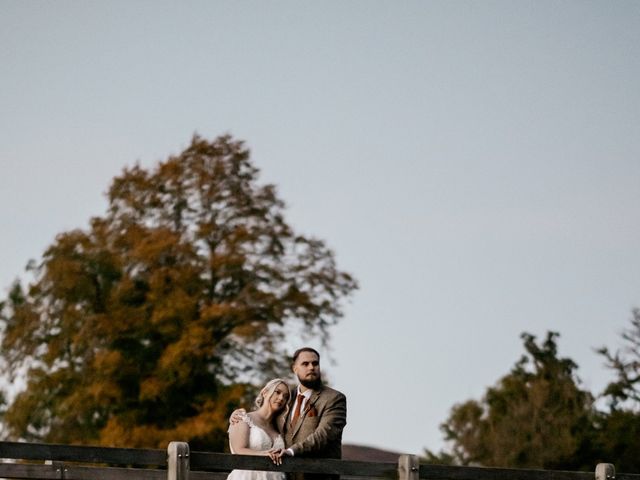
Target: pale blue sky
[[476, 165]]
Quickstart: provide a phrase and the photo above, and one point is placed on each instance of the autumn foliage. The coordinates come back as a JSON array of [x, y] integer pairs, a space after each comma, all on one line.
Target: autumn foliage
[[152, 324]]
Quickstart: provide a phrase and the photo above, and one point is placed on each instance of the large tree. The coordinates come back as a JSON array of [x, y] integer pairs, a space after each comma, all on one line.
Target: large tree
[[537, 416], [149, 325]]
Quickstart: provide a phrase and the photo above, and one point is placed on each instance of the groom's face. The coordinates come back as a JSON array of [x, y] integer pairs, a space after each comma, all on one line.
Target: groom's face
[[307, 368]]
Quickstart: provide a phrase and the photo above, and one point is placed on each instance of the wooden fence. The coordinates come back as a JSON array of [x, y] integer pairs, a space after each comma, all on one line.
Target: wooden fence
[[35, 461]]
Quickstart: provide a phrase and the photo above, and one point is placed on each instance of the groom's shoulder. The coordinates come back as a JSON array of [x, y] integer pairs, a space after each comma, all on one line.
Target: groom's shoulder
[[331, 392]]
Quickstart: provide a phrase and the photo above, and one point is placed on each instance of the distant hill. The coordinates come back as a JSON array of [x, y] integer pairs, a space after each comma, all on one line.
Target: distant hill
[[361, 453]]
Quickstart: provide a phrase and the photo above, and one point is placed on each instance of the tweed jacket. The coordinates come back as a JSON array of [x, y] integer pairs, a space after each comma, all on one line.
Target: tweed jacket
[[318, 431]]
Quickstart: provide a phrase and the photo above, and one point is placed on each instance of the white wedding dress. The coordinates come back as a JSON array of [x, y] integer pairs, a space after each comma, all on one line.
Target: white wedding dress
[[258, 440]]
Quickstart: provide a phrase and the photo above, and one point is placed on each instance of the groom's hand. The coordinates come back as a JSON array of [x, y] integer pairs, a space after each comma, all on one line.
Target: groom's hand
[[276, 455], [236, 416]]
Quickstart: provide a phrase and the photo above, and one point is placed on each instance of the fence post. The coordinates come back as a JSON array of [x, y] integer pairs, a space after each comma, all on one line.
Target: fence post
[[178, 461], [605, 471], [60, 468], [408, 467]]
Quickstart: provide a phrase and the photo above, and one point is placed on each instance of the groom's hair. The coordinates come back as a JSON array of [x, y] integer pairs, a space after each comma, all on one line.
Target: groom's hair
[[297, 353]]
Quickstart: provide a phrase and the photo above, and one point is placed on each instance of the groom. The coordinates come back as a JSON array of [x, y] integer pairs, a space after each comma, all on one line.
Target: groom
[[317, 414]]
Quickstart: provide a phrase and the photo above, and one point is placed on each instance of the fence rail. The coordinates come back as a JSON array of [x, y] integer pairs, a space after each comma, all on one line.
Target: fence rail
[[36, 461]]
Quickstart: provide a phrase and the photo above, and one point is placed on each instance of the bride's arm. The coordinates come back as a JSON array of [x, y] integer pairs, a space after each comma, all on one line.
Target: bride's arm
[[239, 440]]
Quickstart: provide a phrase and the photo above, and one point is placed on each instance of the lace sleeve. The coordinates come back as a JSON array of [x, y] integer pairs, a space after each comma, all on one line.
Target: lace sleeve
[[245, 418]]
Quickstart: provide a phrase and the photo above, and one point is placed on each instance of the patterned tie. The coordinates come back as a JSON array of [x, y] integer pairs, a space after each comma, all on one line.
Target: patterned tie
[[296, 411]]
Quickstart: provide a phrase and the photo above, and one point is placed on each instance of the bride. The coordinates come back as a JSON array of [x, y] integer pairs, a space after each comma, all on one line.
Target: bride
[[258, 432]]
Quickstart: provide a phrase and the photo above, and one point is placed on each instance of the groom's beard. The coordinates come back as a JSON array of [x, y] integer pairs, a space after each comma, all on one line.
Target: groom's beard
[[312, 384]]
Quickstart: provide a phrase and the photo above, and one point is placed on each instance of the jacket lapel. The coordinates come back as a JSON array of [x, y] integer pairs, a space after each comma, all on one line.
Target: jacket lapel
[[312, 400]]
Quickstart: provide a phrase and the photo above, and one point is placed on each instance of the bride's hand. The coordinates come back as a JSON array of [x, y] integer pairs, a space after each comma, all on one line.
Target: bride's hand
[[276, 454]]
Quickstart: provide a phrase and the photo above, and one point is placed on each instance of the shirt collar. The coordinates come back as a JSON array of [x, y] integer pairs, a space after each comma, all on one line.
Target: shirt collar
[[306, 394]]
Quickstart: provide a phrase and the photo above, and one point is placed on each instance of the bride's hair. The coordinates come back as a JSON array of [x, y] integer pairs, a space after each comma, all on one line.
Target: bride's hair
[[268, 390], [265, 394]]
